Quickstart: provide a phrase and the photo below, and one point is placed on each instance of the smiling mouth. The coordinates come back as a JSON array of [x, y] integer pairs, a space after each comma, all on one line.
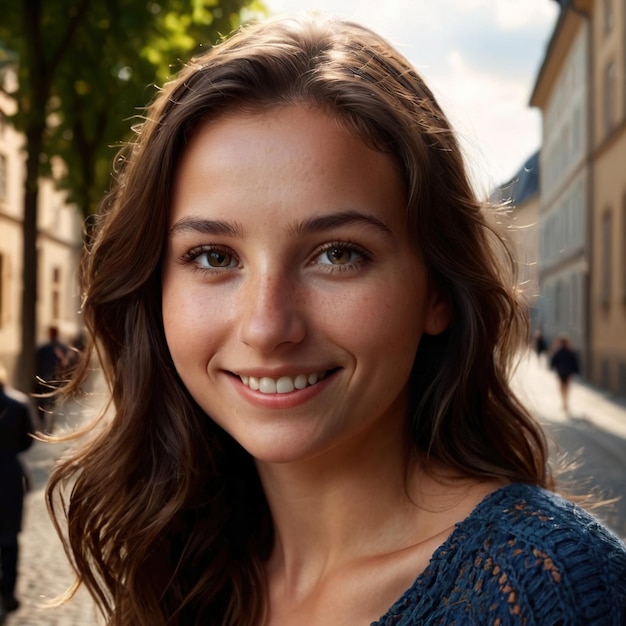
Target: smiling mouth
[[284, 384]]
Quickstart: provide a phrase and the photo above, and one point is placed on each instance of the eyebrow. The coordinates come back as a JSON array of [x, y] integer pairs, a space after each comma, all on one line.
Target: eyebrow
[[191, 224], [321, 223], [309, 226]]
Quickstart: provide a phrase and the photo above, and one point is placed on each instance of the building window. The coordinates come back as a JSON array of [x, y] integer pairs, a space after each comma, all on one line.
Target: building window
[[575, 300], [605, 373], [609, 97], [2, 288], [3, 177], [605, 264], [608, 16], [623, 247], [577, 129], [56, 293]]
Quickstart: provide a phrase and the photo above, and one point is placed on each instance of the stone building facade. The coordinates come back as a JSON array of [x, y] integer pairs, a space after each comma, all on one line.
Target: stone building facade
[[581, 91], [59, 244]]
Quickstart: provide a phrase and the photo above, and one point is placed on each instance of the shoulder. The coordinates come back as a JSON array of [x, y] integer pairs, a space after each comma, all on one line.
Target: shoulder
[[549, 553], [15, 397], [16, 409], [540, 514], [523, 556], [541, 518]]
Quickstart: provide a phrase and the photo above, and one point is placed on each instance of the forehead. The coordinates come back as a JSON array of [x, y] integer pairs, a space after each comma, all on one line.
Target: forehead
[[290, 157]]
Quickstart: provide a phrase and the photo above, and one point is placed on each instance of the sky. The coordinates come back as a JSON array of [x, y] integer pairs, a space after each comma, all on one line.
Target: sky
[[481, 59]]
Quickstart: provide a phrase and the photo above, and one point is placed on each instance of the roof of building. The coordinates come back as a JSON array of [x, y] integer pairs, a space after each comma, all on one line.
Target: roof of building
[[524, 185], [556, 33]]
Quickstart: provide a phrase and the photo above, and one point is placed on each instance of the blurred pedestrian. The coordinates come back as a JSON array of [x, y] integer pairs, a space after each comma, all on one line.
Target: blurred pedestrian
[[565, 362], [16, 428], [52, 358], [541, 345]]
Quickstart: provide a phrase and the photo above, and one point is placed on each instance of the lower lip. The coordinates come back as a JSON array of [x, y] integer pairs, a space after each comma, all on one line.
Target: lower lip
[[280, 400]]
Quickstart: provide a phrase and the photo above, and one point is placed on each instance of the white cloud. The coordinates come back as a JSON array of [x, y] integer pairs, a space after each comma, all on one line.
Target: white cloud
[[508, 14], [467, 99], [515, 14], [495, 126], [479, 57]]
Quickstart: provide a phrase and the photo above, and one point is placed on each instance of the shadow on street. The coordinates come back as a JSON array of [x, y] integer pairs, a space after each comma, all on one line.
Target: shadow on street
[[589, 461]]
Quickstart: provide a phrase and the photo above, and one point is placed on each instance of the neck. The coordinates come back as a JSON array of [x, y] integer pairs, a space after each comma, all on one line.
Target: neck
[[333, 510]]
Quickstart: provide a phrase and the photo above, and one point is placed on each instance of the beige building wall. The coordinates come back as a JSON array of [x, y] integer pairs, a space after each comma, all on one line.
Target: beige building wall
[[525, 234], [59, 245], [60, 240], [11, 170], [600, 188], [562, 94], [608, 277]]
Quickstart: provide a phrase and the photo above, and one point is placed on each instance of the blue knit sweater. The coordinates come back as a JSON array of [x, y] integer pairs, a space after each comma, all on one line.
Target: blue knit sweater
[[524, 556]]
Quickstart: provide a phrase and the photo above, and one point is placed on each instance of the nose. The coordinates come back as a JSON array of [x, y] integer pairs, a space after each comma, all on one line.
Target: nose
[[271, 313]]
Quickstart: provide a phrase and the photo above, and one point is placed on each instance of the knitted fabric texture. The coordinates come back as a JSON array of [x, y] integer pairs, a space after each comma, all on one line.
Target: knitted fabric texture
[[524, 556]]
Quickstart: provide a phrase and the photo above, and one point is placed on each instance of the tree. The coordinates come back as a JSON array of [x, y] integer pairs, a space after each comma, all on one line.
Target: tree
[[83, 71]]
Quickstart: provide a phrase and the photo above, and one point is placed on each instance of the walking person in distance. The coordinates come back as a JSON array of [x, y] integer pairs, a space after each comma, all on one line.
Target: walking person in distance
[[564, 361]]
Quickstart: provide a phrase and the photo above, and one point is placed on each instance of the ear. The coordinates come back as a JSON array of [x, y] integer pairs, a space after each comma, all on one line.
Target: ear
[[438, 313]]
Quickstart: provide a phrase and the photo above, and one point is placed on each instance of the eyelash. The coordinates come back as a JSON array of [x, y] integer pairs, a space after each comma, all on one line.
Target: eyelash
[[191, 257]]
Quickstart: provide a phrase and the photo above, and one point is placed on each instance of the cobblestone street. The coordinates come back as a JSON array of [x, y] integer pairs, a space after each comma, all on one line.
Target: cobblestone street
[[44, 572], [44, 569]]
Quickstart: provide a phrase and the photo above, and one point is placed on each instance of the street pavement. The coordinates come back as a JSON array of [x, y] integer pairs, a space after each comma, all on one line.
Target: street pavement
[[537, 386], [596, 419], [588, 442], [44, 570]]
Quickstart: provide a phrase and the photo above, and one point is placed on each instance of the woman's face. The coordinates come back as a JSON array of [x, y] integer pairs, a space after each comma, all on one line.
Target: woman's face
[[293, 299]]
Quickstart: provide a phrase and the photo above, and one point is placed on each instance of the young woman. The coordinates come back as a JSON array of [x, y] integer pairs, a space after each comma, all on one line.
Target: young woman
[[307, 325]]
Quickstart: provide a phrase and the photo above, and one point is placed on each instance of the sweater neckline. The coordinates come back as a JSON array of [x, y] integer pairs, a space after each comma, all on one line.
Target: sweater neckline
[[440, 552]]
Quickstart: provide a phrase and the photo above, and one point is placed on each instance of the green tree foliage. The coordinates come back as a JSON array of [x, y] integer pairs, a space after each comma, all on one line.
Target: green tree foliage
[[98, 61], [86, 68], [125, 47]]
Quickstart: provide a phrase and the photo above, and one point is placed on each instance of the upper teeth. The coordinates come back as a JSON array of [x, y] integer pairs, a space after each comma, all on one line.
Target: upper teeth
[[284, 384]]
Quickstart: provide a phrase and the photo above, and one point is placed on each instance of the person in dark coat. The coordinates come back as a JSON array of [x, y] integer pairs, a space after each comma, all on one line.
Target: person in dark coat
[[565, 362], [51, 361], [16, 428], [541, 345]]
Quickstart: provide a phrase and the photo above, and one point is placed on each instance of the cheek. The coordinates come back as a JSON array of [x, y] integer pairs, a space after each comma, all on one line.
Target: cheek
[[190, 318], [385, 323], [175, 313]]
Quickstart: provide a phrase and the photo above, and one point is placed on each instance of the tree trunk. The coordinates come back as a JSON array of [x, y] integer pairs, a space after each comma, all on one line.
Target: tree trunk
[[30, 265]]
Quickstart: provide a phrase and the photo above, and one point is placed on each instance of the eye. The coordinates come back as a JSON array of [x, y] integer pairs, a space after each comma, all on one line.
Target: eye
[[341, 255], [211, 257], [338, 255], [215, 258]]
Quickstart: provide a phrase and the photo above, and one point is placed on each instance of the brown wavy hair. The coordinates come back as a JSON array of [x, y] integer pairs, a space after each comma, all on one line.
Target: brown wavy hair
[[166, 519]]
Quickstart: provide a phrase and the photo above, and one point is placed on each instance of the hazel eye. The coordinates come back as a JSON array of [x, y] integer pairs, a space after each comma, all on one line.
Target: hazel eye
[[339, 255], [211, 258], [216, 258]]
